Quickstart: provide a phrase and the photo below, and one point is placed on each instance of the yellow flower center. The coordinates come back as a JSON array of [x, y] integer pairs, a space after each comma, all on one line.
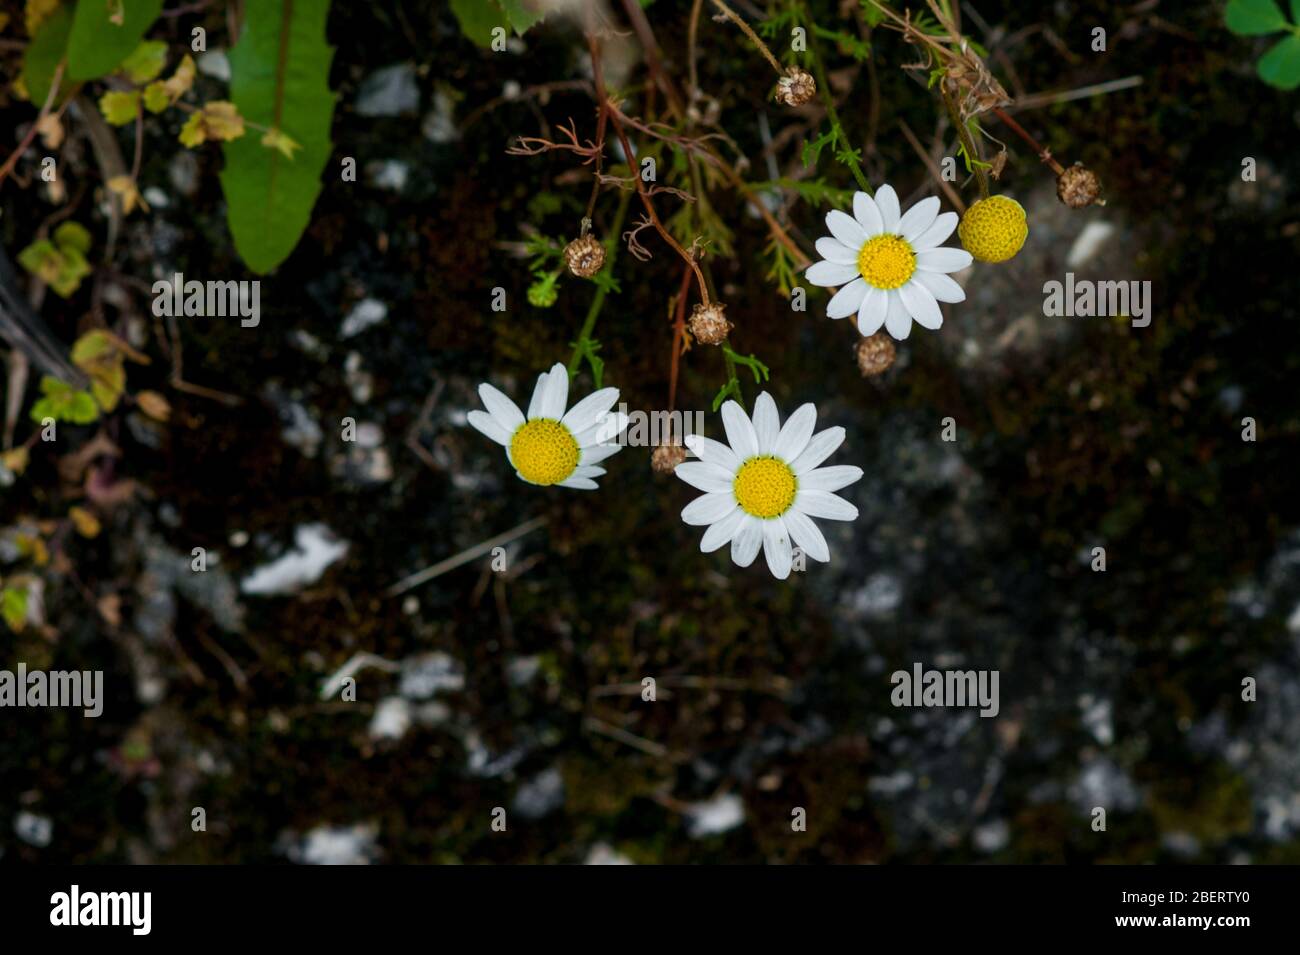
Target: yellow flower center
[[544, 451], [765, 487], [994, 229], [887, 261]]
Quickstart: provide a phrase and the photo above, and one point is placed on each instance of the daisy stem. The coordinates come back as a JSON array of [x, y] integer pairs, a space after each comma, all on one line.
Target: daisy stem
[[749, 32], [598, 301], [1043, 152], [846, 155], [967, 142]]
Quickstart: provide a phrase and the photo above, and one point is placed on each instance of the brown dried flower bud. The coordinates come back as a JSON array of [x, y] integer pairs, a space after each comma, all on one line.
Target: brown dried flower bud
[[585, 256], [665, 457], [708, 325], [796, 87], [875, 354], [1079, 187]]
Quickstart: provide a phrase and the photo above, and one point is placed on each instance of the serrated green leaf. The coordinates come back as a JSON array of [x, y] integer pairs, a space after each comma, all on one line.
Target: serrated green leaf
[[1254, 17], [120, 106], [522, 14], [478, 18], [13, 607], [97, 45], [146, 61], [1280, 66], [72, 235], [280, 80], [43, 54]]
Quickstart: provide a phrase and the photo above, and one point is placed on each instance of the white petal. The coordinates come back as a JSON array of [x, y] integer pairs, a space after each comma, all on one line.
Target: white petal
[[943, 288], [505, 411], [579, 484], [943, 260], [887, 203], [898, 321], [867, 213], [539, 395], [713, 452], [706, 477], [796, 431], [740, 431], [806, 535], [833, 250], [748, 539], [938, 233], [776, 548], [821, 447], [767, 423], [845, 228], [722, 532], [830, 479], [846, 301], [708, 508], [824, 504], [489, 425], [588, 411], [587, 471], [595, 453], [921, 304], [556, 395], [872, 312], [827, 274], [603, 431], [919, 218]]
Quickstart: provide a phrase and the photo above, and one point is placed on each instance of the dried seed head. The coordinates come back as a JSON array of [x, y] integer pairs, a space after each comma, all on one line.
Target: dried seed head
[[796, 87], [876, 355], [708, 325], [585, 256], [665, 457], [1079, 187]]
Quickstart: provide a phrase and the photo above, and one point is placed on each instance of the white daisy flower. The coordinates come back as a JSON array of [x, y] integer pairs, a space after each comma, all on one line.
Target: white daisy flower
[[890, 265], [552, 446], [766, 487]]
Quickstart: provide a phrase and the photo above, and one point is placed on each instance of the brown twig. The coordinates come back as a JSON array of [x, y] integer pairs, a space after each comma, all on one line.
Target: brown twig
[[12, 161], [1043, 152]]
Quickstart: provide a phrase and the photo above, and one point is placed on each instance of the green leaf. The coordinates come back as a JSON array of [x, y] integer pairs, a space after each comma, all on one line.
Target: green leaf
[[279, 79], [44, 54], [478, 18], [64, 403], [521, 14], [120, 106], [13, 607], [1280, 66], [1254, 17], [72, 235], [97, 45], [146, 62]]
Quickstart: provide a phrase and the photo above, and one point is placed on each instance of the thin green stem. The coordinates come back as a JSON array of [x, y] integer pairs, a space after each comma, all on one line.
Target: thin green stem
[[593, 311], [967, 142], [846, 156]]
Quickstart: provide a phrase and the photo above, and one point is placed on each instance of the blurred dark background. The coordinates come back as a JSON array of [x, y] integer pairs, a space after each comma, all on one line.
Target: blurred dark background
[[520, 689]]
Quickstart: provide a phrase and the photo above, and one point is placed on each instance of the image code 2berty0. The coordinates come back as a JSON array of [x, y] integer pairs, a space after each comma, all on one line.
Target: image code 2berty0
[[651, 432]]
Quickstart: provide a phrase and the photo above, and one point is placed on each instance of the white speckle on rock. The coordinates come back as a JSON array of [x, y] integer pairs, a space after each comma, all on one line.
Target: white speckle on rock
[[427, 673], [1088, 244], [337, 845], [392, 718], [541, 795], [366, 313], [215, 64], [439, 125], [156, 198], [714, 816], [603, 854], [315, 549], [390, 91], [390, 174], [33, 829], [992, 836]]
